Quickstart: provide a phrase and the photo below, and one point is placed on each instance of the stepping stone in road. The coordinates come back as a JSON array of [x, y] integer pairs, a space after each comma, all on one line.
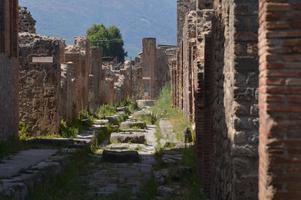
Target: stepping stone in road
[[101, 122], [132, 125], [120, 156], [128, 137]]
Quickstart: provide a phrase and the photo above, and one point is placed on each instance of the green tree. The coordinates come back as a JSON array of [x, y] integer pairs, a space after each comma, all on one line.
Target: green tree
[[110, 39]]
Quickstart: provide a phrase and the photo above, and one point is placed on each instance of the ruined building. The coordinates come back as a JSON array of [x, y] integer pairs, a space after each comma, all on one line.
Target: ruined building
[[154, 61], [39, 82], [215, 82], [40, 60], [8, 68]]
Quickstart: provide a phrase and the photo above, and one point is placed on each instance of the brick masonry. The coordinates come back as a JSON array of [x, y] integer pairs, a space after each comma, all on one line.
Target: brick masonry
[[279, 99], [8, 69], [217, 75]]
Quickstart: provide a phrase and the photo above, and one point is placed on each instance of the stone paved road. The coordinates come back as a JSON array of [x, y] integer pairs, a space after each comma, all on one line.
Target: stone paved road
[[23, 160]]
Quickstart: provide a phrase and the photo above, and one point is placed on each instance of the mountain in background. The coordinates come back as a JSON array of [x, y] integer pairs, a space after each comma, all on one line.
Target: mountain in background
[[135, 18]]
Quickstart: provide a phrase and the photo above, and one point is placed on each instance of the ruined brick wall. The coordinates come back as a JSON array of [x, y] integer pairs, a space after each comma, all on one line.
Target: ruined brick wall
[[235, 125], [8, 68], [127, 72], [137, 79], [279, 99], [202, 81], [189, 43], [26, 22], [217, 82], [84, 45], [67, 91], [80, 55], [95, 79], [149, 64], [39, 83], [183, 7], [203, 4], [163, 70]]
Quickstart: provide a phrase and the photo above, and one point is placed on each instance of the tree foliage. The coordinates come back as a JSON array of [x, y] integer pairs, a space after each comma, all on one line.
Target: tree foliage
[[110, 39]]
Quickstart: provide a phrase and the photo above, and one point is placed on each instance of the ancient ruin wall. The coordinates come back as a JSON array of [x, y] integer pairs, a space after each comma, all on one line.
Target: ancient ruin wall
[[217, 85], [279, 99], [67, 91], [75, 56], [235, 118], [8, 68], [39, 83], [26, 22]]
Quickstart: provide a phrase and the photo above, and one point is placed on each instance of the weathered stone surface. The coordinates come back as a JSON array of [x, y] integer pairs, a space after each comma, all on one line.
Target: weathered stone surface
[[127, 137], [121, 156], [145, 103], [101, 122], [39, 83], [133, 125], [26, 23]]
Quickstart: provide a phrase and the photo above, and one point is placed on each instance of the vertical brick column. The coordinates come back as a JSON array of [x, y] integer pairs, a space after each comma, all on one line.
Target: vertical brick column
[[149, 64], [8, 68], [94, 79], [280, 100]]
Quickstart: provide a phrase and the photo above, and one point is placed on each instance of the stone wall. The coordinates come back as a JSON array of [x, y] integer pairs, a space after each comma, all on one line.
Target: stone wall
[[216, 87], [26, 22], [39, 82], [8, 68], [279, 99]]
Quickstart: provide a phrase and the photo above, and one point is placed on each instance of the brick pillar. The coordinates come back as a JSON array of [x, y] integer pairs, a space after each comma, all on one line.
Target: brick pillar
[[280, 100], [149, 64], [94, 82], [8, 68], [70, 111]]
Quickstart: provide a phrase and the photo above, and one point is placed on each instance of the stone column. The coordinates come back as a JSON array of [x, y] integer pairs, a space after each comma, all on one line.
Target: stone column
[[280, 100], [8, 69], [149, 64]]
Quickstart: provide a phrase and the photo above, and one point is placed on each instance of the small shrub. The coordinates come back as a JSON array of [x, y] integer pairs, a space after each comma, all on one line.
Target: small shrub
[[105, 111], [85, 115], [69, 130], [23, 131], [148, 118]]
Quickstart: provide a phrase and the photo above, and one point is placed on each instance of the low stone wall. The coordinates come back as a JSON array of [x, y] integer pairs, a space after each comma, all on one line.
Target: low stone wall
[[39, 82]]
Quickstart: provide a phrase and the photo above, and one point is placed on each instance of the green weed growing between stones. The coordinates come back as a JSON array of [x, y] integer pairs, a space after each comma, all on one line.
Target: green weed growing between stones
[[105, 111], [164, 108]]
